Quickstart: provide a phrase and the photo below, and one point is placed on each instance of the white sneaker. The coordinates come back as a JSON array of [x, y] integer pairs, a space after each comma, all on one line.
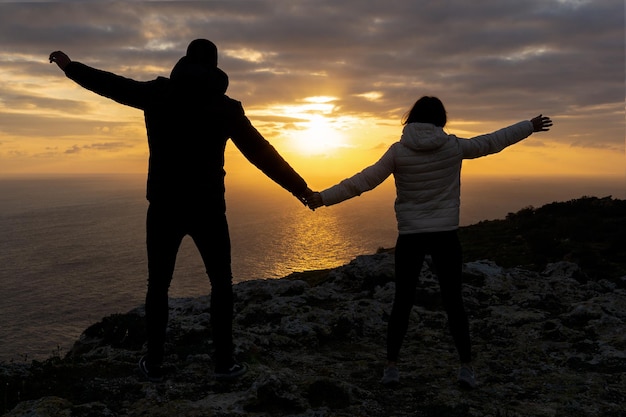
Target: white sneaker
[[467, 378], [391, 376], [234, 372]]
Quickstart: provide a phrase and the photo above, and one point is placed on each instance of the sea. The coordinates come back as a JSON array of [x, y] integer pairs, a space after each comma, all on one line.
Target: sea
[[72, 248]]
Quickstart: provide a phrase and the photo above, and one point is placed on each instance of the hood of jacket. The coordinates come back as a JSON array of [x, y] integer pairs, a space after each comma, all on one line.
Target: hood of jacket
[[423, 136], [202, 79]]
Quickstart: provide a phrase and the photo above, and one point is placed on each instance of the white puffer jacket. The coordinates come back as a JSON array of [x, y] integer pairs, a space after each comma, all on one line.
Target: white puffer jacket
[[426, 164]]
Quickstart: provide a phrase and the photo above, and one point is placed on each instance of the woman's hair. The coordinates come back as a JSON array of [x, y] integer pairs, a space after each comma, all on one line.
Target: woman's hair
[[427, 110]]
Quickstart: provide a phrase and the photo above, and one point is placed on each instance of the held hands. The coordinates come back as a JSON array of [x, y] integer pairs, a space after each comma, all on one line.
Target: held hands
[[314, 201], [60, 58], [311, 199], [305, 196], [541, 123]]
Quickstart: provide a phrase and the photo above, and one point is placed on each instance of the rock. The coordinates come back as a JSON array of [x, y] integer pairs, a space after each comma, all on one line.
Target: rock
[[547, 343], [43, 407]]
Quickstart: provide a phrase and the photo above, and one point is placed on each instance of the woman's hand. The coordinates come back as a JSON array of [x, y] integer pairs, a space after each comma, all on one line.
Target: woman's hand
[[541, 123]]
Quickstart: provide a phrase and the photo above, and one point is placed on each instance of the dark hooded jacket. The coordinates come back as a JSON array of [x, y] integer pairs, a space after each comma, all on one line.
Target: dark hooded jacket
[[188, 120]]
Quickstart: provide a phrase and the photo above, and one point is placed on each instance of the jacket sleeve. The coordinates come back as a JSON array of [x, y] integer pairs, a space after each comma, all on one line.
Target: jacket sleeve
[[366, 180], [123, 90], [263, 155], [495, 142]]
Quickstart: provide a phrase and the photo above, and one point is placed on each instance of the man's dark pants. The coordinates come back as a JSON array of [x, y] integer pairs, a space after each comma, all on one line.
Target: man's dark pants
[[166, 225]]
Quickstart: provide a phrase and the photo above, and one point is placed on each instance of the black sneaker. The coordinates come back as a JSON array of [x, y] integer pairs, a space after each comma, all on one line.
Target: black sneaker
[[234, 372], [153, 373]]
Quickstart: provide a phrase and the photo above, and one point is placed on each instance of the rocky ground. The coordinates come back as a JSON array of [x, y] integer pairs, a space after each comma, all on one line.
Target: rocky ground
[[550, 343]]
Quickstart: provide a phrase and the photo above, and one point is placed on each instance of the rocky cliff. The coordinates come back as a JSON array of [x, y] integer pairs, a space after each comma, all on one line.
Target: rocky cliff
[[549, 341]]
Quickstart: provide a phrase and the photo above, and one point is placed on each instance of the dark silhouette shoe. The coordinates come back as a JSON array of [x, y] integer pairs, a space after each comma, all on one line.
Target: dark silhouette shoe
[[228, 374], [152, 373]]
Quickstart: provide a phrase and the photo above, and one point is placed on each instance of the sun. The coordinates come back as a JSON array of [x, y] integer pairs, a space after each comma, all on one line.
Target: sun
[[319, 134], [316, 130], [310, 127]]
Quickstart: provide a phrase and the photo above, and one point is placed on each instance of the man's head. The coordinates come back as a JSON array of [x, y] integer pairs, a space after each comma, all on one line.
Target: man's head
[[203, 52], [199, 64]]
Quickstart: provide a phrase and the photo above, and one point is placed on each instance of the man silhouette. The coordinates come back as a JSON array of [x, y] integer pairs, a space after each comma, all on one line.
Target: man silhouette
[[189, 120]]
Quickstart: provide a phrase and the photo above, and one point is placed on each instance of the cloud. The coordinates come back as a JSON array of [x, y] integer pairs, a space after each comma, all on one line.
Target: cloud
[[21, 99], [105, 146], [30, 125], [73, 149], [490, 61], [108, 146]]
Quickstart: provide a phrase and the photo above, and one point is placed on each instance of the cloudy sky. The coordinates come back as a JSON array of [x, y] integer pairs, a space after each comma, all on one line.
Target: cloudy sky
[[326, 81]]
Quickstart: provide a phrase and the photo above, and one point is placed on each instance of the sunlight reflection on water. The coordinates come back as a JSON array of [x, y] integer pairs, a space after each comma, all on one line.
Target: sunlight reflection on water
[[73, 251], [277, 236]]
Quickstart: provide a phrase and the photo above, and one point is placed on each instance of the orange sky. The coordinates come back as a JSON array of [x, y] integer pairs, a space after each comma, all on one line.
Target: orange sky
[[331, 102], [323, 151]]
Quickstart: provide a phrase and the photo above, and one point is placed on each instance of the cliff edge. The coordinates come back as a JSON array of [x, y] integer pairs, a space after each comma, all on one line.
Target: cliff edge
[[549, 340]]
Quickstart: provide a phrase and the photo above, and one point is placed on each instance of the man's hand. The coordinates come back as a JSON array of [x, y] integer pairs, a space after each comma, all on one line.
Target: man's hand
[[60, 58]]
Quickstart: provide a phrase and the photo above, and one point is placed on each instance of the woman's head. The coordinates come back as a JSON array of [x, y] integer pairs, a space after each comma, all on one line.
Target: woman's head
[[427, 110]]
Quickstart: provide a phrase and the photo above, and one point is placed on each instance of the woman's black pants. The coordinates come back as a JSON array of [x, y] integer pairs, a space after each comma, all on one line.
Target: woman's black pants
[[445, 250]]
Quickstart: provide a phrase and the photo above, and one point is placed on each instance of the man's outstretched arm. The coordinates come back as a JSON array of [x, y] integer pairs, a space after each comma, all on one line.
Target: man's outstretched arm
[[115, 87], [60, 58]]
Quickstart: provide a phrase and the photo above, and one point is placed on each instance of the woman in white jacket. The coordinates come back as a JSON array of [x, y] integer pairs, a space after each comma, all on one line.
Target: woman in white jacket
[[426, 165]]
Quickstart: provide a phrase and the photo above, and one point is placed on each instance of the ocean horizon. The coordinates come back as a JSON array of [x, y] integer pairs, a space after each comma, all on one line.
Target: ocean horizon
[[73, 248]]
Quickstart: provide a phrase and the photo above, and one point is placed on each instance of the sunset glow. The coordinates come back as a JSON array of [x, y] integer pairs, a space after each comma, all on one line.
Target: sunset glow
[[319, 135], [315, 129], [331, 102]]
